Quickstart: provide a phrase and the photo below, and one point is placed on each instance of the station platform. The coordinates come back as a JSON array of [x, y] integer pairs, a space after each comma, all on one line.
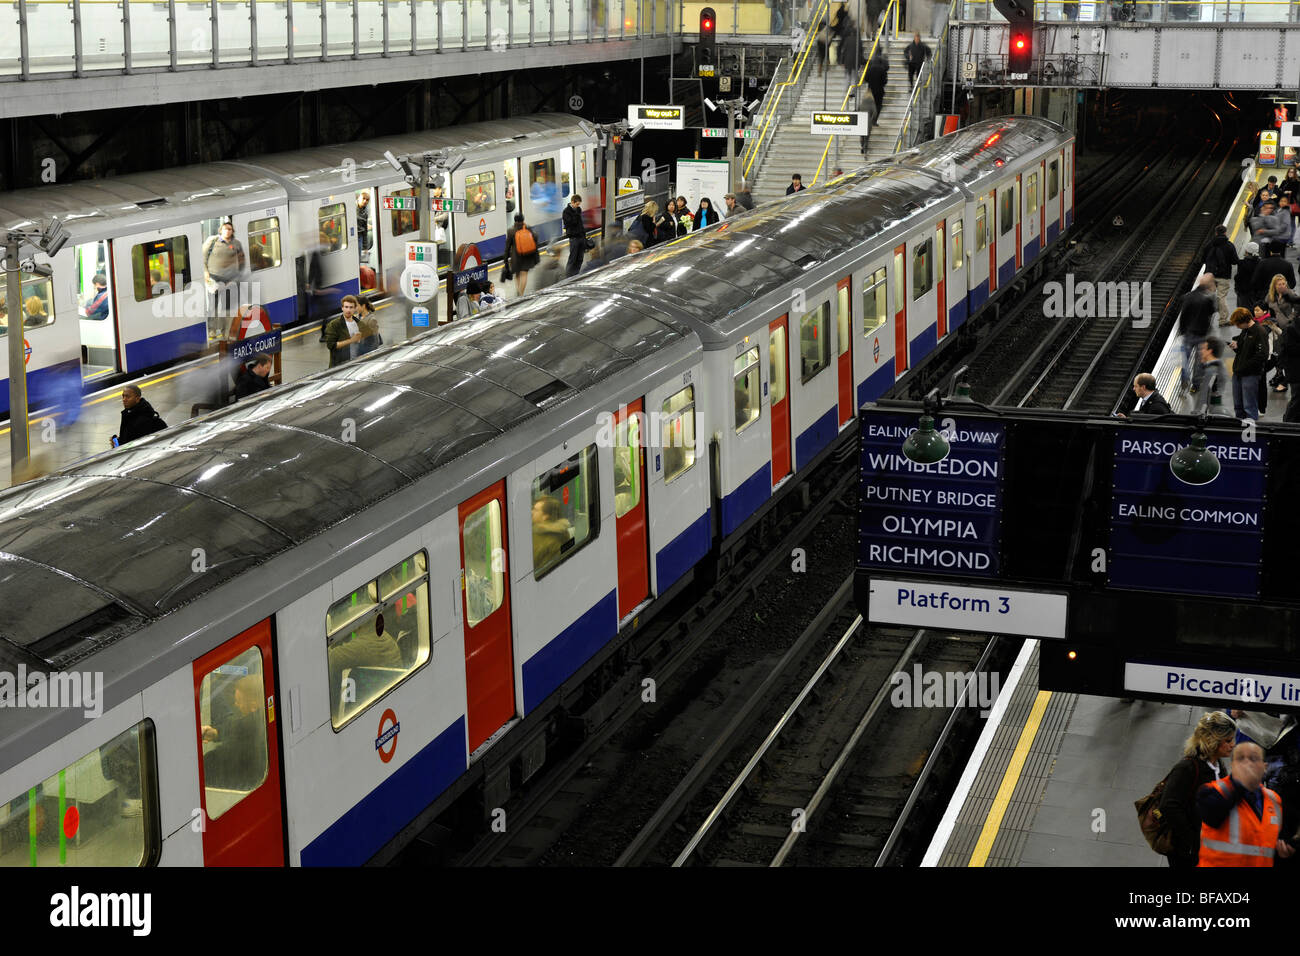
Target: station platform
[[173, 391], [1054, 776]]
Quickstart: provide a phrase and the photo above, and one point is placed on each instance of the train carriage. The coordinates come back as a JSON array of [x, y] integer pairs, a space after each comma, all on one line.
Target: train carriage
[[354, 587]]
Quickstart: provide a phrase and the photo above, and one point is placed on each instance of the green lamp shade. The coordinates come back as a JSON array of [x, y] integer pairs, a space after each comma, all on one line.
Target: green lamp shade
[[961, 393], [925, 446], [1195, 464]]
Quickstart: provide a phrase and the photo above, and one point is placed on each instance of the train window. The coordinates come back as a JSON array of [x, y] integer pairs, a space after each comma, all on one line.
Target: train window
[[814, 352], [981, 227], [480, 193], [776, 354], [922, 268], [1007, 215], [101, 810], [485, 570], [958, 251], [333, 223], [874, 307], [93, 303], [264, 244], [543, 187], [160, 267], [900, 281], [1031, 194], [566, 510], [678, 433], [377, 636], [566, 173], [843, 317], [627, 462], [404, 221], [36, 298], [232, 712], [582, 168], [1053, 179], [748, 388]]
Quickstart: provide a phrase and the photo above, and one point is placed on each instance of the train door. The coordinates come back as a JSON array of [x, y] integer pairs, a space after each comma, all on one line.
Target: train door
[[368, 253], [485, 594], [629, 510], [1018, 219], [510, 174], [844, 329], [987, 234], [97, 310], [900, 310], [543, 193], [778, 369], [161, 300], [1042, 206], [239, 768], [940, 273]]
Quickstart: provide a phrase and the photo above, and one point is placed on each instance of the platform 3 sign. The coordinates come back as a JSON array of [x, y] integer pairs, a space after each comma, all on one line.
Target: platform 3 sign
[[990, 610], [1169, 536], [945, 517]]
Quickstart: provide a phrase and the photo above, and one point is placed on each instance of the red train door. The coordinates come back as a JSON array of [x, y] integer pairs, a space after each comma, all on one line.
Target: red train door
[[900, 310], [844, 327], [485, 597], [778, 368], [629, 510], [239, 765], [941, 271], [1042, 206]]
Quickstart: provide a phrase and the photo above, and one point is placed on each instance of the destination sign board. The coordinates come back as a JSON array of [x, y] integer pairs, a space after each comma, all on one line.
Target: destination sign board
[[1169, 536], [854, 124], [945, 517], [657, 117]]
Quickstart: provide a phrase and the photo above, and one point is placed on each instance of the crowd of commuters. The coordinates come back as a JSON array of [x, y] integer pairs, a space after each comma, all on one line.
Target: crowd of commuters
[[1232, 799]]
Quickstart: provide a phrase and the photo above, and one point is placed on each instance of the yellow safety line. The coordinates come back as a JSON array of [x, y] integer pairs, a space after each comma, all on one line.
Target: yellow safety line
[[1009, 780]]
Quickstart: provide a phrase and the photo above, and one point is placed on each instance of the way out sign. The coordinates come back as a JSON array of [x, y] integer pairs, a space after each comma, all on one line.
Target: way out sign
[[849, 124]]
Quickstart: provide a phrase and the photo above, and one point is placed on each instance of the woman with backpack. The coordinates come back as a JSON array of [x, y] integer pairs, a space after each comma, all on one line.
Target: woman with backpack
[[521, 252], [1209, 743]]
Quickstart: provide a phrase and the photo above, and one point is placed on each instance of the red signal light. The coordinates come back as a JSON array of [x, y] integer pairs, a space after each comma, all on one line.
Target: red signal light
[[1020, 43], [707, 24]]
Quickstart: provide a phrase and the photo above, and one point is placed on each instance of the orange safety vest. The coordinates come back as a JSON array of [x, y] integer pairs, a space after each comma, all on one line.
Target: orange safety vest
[[1279, 116], [1242, 839]]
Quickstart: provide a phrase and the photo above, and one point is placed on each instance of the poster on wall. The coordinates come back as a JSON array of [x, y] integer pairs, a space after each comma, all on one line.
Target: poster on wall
[[698, 179]]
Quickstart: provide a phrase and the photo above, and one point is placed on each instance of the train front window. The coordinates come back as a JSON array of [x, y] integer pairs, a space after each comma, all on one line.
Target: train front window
[[160, 267], [36, 304], [875, 308], [264, 244], [627, 465], [814, 354], [747, 382], [332, 222], [232, 714], [101, 810], [677, 433], [566, 510], [376, 636], [485, 562]]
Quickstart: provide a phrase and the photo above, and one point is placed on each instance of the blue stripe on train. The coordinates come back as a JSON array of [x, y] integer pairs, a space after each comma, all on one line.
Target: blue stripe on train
[[682, 553], [956, 315], [55, 385], [357, 835], [1006, 271], [816, 437], [746, 499], [922, 345], [1053, 230], [1031, 250], [877, 383], [166, 347], [573, 647], [979, 295]]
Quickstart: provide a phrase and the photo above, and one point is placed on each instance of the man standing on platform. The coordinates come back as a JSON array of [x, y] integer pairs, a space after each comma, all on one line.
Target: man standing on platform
[[575, 233], [1241, 819]]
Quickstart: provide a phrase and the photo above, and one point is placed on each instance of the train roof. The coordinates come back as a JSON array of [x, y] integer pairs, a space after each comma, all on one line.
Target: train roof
[[97, 552], [975, 154], [712, 275], [306, 173], [122, 205]]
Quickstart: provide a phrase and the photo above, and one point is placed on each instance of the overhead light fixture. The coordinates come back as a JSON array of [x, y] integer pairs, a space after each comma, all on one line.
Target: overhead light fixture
[[55, 238], [1194, 464], [635, 131], [454, 164], [925, 446], [587, 129], [394, 162], [754, 105], [709, 103]]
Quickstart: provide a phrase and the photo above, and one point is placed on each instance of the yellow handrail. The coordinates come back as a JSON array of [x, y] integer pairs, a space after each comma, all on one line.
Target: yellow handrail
[[880, 33], [939, 44], [801, 58]]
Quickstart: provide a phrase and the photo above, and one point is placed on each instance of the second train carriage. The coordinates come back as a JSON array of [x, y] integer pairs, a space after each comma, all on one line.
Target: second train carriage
[[481, 504]]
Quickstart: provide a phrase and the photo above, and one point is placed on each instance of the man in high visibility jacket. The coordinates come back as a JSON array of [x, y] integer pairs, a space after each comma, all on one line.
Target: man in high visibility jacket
[[1241, 819]]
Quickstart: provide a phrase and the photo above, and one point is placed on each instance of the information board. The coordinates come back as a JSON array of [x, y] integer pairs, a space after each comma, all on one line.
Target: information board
[[850, 124], [656, 117], [945, 517], [1166, 535]]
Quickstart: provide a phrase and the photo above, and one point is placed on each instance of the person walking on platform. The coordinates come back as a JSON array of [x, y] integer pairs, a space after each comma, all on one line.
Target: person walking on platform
[[1211, 741], [1193, 327], [1241, 818], [1244, 281], [877, 77], [521, 252], [1213, 374], [1220, 257], [1251, 346], [576, 233], [138, 417]]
